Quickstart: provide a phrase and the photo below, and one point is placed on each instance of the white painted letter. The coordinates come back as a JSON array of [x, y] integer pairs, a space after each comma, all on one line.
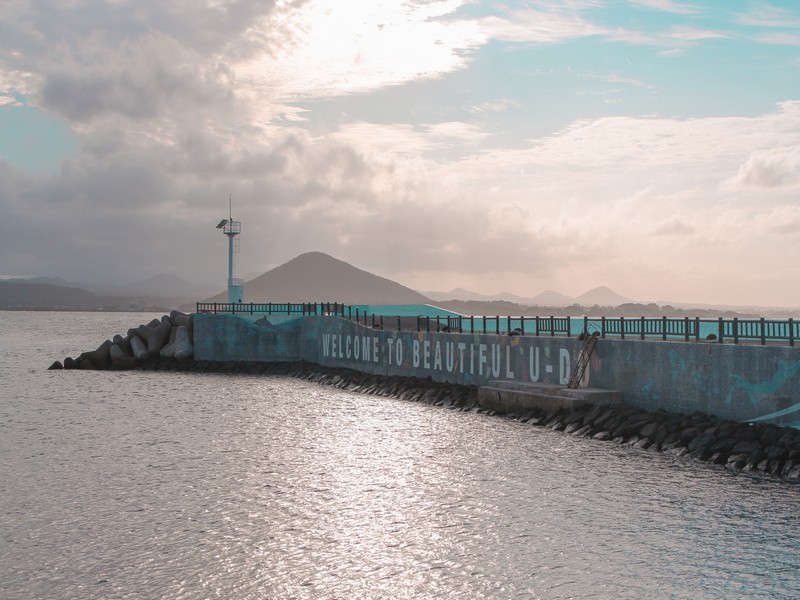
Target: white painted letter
[[461, 347], [326, 344], [495, 360], [564, 366], [437, 357], [533, 364]]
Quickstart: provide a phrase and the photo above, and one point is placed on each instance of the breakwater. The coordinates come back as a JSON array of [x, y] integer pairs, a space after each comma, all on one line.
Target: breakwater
[[737, 382], [365, 360], [168, 337]]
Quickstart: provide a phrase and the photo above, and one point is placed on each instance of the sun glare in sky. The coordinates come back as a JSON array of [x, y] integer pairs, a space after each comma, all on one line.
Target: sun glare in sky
[[651, 146]]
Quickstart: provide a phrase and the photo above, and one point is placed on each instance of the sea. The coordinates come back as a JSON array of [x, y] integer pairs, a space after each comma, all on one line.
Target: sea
[[138, 485]]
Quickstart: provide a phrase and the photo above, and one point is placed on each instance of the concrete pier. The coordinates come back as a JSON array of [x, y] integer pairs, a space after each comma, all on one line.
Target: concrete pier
[[519, 397]]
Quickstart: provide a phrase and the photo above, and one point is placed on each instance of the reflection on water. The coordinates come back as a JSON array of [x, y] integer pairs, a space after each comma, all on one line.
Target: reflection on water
[[146, 485]]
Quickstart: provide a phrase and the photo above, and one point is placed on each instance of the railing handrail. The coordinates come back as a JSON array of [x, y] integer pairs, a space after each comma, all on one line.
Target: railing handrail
[[719, 330]]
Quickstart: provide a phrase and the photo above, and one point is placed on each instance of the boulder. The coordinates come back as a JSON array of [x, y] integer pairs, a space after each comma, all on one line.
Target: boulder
[[183, 344], [159, 336], [138, 348]]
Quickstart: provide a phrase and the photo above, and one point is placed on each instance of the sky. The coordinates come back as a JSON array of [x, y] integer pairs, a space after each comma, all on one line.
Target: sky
[[651, 146]]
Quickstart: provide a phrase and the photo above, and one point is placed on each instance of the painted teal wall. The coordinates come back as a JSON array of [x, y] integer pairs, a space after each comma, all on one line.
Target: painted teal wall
[[744, 382]]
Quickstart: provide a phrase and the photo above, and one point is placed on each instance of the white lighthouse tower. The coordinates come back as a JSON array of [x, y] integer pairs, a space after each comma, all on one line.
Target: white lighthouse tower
[[232, 229]]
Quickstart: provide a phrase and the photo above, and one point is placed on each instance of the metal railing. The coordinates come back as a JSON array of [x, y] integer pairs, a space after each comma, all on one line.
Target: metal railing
[[687, 329], [273, 308]]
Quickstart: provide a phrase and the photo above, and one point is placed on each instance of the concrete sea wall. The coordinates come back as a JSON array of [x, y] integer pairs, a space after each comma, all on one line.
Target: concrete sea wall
[[738, 382]]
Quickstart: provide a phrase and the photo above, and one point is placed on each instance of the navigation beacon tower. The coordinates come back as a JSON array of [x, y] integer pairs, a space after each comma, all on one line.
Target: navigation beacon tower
[[232, 229]]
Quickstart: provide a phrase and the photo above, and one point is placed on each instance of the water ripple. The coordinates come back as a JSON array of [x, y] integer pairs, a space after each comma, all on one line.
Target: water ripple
[[150, 485]]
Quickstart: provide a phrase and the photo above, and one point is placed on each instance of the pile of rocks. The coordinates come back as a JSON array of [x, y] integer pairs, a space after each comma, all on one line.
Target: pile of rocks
[[168, 337], [738, 446]]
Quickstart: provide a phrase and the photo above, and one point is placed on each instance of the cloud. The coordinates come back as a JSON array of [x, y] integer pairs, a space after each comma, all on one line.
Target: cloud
[[150, 77], [671, 6], [497, 106], [176, 106], [770, 168], [550, 25], [768, 15], [355, 48], [674, 227]]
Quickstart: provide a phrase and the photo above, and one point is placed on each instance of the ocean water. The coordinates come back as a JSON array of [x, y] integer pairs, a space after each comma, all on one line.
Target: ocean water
[[176, 485]]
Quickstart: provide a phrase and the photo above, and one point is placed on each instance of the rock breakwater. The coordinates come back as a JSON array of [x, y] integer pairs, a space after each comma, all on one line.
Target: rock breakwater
[[167, 337]]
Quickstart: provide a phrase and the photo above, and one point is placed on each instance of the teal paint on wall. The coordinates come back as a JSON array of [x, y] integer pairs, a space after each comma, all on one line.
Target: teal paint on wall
[[743, 383]]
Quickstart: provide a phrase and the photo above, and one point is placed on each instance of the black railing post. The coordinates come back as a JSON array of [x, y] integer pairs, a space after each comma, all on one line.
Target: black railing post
[[664, 328], [381, 322], [685, 329], [735, 330], [497, 324], [721, 330], [569, 326], [697, 328], [537, 325], [484, 324], [585, 325], [398, 322], [622, 327], [763, 333], [791, 332], [427, 324], [603, 327], [472, 323]]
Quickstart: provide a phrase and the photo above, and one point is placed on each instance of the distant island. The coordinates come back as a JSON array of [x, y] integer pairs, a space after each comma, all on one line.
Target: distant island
[[318, 277]]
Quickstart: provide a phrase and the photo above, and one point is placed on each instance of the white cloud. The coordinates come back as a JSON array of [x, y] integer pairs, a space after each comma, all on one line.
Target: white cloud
[[343, 48], [764, 14], [176, 106], [770, 168], [680, 8], [531, 25]]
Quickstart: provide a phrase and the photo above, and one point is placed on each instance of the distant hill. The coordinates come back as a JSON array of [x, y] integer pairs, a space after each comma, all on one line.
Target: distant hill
[[318, 277], [601, 296], [163, 286], [551, 298], [24, 295], [39, 296]]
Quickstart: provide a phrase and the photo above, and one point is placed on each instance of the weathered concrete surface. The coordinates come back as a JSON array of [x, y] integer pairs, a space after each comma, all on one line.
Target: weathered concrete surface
[[516, 397], [743, 383], [242, 338]]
